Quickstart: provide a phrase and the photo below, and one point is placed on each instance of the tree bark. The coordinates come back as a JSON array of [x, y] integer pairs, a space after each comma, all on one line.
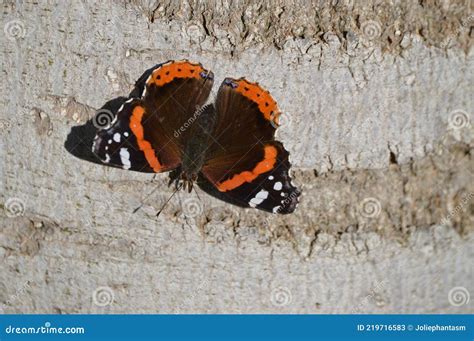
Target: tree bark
[[377, 116]]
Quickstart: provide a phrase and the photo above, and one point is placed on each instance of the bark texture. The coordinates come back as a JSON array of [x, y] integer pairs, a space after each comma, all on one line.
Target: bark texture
[[377, 102]]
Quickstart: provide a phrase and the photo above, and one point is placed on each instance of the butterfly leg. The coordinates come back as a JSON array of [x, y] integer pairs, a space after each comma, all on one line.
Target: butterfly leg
[[174, 177]]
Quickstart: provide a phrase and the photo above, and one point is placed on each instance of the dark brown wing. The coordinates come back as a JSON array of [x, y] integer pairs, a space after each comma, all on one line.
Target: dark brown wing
[[245, 162], [149, 131]]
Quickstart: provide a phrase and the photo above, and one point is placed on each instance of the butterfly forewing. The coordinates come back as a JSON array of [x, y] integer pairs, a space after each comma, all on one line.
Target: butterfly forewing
[[153, 125]]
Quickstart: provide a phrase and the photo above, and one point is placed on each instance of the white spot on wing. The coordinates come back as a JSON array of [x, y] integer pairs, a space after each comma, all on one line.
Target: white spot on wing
[[116, 137], [263, 194], [271, 177], [278, 186], [107, 158], [125, 158], [254, 202], [275, 209], [125, 134], [259, 198]]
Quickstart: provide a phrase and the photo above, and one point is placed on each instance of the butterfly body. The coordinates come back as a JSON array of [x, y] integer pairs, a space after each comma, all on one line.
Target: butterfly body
[[166, 126], [196, 147]]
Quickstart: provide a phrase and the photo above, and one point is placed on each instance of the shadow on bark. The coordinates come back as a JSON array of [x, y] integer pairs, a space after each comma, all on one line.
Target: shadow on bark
[[80, 138]]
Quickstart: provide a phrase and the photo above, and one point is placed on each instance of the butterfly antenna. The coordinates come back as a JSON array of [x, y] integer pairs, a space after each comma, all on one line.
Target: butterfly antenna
[[167, 201], [143, 201], [195, 191]]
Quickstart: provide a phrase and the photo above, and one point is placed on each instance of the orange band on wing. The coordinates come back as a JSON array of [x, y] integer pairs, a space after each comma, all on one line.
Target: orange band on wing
[[178, 69], [265, 102], [145, 146], [263, 166]]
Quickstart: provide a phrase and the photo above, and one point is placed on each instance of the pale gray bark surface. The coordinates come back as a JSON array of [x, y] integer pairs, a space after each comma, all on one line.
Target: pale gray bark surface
[[378, 104]]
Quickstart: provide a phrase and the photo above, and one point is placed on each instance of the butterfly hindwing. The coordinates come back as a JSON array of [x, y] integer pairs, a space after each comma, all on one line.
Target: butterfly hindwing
[[123, 144], [264, 184], [241, 122], [245, 162]]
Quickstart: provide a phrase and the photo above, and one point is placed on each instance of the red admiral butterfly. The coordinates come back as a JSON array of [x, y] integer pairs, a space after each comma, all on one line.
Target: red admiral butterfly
[[230, 143]]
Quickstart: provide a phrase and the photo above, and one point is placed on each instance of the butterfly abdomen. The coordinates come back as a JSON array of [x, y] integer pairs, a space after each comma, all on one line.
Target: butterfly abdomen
[[200, 132]]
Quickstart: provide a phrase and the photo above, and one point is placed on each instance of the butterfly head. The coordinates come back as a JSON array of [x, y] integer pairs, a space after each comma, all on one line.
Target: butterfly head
[[188, 179]]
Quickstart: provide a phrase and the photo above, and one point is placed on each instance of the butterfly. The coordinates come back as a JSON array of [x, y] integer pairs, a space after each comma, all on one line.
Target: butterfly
[[166, 125]]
